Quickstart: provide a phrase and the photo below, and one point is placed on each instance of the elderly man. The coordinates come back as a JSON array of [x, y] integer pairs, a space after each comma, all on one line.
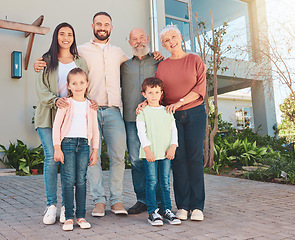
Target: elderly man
[[142, 65]]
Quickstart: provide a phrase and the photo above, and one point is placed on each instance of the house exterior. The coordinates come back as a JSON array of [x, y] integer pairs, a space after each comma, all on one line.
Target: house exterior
[[246, 19], [236, 107]]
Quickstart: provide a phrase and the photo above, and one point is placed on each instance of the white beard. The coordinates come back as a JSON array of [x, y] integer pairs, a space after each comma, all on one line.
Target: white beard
[[139, 52]]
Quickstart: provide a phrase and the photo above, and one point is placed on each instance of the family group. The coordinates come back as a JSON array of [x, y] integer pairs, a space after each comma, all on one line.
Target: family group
[[80, 91]]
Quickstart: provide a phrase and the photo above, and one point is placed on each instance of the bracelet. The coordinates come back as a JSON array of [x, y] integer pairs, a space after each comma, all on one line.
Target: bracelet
[[182, 101]]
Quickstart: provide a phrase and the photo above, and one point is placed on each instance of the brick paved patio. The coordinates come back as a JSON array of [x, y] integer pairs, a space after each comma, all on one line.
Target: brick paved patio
[[235, 209]]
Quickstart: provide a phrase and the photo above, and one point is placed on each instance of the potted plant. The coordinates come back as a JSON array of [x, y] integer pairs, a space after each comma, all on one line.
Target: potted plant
[[22, 158]]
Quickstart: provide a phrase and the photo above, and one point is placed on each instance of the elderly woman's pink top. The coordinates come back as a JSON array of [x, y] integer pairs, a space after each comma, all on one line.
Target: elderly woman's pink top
[[181, 76]]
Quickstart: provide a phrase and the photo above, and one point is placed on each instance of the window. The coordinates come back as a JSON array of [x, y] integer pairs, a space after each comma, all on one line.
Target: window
[[178, 13], [243, 117], [235, 12]]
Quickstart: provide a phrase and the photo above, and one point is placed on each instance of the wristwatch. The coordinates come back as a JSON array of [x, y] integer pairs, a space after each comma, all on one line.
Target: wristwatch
[[182, 101]]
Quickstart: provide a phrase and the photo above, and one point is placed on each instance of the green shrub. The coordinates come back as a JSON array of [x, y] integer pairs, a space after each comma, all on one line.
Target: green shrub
[[22, 158], [237, 154], [278, 163]]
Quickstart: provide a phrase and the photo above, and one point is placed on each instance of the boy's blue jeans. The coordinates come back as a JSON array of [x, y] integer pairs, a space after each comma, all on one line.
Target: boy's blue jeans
[[74, 170], [50, 166], [154, 170]]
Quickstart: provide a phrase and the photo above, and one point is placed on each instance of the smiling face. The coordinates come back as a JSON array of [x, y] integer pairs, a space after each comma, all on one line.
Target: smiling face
[[138, 40], [78, 84], [171, 41], [153, 96], [65, 37], [102, 28]]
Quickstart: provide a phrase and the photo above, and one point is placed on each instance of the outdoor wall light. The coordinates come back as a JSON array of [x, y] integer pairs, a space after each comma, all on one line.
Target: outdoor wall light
[[16, 64]]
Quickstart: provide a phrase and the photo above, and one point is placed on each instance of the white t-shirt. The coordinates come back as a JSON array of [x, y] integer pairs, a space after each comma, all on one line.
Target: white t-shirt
[[63, 71], [79, 121], [102, 45]]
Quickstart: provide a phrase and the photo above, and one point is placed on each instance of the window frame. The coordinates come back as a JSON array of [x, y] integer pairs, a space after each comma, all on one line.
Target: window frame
[[189, 21], [253, 56], [243, 116]]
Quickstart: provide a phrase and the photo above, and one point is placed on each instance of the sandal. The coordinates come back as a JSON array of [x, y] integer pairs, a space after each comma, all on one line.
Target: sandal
[[83, 223], [68, 225]]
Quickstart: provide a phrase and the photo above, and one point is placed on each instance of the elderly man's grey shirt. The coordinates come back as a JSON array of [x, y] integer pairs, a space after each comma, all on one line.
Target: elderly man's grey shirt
[[133, 72]]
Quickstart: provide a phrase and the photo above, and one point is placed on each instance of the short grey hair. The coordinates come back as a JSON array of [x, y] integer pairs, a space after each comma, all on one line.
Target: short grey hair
[[168, 28]]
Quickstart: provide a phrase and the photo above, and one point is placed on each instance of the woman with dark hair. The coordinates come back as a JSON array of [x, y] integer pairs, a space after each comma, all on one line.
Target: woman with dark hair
[[51, 88]]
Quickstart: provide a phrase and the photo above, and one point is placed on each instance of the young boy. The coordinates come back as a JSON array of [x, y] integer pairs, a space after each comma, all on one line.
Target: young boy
[[158, 137]]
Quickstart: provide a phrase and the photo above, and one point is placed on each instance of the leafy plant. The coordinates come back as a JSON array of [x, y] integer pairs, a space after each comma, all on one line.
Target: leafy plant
[[238, 153], [105, 160], [22, 158]]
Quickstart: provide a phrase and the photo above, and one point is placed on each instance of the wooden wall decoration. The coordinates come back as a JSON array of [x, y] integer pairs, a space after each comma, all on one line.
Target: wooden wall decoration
[[29, 29]]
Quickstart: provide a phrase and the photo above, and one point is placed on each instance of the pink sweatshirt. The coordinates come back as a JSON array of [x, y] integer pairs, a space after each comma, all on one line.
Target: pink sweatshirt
[[63, 120]]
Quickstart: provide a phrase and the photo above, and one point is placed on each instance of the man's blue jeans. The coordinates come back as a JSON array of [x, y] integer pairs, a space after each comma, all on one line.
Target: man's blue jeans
[[137, 165], [74, 170], [188, 170], [157, 172], [111, 127], [50, 166]]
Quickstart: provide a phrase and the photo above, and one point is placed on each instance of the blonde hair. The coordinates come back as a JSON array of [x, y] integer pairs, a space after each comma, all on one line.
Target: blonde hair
[[168, 28], [76, 71]]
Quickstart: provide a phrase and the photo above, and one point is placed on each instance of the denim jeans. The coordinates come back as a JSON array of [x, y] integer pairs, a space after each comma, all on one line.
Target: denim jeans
[[50, 166], [74, 170], [157, 172], [111, 127], [137, 165], [188, 170]]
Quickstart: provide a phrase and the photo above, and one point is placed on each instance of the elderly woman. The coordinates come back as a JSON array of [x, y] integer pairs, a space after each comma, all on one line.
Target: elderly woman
[[184, 77]]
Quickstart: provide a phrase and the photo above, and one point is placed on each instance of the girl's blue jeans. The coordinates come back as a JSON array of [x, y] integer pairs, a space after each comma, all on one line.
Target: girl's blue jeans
[[50, 166], [74, 170], [157, 172]]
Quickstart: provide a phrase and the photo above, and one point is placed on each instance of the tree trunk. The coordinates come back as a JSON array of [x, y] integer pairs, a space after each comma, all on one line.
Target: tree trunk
[[206, 140]]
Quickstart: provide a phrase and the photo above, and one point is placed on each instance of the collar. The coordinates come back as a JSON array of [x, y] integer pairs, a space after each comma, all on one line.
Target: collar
[[144, 57], [76, 57], [92, 41]]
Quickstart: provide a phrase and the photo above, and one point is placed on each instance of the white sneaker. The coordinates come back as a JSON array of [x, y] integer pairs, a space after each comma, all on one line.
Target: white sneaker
[[182, 214], [62, 217], [197, 215], [50, 215]]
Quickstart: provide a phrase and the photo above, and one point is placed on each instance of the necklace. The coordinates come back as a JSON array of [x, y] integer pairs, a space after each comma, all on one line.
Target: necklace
[[66, 60]]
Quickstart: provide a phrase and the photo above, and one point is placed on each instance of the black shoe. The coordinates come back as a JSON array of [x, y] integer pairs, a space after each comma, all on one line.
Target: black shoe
[[139, 207], [171, 218], [155, 219]]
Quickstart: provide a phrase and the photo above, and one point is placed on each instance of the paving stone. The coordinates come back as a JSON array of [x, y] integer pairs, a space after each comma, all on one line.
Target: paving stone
[[234, 209]]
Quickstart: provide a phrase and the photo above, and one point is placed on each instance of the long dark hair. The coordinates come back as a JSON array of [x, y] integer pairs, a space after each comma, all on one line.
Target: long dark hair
[[51, 56]]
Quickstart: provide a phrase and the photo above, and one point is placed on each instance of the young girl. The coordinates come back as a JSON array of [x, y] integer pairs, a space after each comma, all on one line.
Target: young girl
[[73, 129], [61, 57]]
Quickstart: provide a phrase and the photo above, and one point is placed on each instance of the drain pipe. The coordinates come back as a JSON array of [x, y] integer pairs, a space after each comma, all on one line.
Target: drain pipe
[[154, 26]]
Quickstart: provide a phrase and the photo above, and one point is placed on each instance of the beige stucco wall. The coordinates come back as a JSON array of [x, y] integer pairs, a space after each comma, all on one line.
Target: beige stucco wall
[[18, 95]]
